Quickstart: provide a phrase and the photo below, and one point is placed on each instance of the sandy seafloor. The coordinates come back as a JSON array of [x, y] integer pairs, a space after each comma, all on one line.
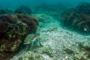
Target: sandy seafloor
[[58, 38]]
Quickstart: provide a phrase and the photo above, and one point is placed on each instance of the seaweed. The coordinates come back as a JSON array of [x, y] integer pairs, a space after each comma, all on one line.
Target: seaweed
[[77, 18], [13, 29]]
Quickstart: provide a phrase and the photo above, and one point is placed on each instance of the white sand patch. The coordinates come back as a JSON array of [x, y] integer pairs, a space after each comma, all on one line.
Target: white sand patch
[[60, 39]]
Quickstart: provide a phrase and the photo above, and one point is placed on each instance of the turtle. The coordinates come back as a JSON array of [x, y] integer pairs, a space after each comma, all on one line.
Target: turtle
[[31, 41]]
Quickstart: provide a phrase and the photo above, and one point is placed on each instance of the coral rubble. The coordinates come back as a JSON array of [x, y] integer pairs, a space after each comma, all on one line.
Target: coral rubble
[[23, 10], [13, 29], [78, 18]]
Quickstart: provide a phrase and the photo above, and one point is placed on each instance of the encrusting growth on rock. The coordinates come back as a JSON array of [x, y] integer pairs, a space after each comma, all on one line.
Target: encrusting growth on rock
[[78, 18], [13, 29]]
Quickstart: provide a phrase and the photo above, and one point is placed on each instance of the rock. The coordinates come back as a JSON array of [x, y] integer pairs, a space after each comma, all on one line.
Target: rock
[[77, 18], [13, 29]]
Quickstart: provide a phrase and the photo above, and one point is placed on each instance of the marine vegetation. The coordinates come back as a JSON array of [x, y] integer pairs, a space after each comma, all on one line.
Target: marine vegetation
[[23, 10], [77, 18], [13, 29]]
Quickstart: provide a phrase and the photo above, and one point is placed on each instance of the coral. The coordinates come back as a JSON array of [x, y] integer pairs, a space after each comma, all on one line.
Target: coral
[[23, 10], [13, 29], [77, 18]]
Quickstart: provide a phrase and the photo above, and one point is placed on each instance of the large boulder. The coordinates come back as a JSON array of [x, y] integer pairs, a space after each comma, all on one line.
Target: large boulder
[[13, 29], [77, 18]]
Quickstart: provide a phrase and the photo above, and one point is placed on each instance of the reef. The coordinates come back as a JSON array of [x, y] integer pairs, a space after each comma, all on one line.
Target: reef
[[13, 29], [77, 18], [23, 10]]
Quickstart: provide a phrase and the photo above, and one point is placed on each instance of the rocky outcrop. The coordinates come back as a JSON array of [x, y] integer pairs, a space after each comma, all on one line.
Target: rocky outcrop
[[77, 18], [13, 29]]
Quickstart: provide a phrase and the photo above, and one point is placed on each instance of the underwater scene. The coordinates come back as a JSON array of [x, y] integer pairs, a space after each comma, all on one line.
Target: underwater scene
[[44, 29]]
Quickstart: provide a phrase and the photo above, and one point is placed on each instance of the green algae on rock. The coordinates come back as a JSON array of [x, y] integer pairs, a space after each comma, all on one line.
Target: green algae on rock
[[13, 29], [77, 18]]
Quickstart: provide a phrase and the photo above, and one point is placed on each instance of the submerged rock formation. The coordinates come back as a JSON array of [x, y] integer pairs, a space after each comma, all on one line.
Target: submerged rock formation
[[78, 18], [13, 29], [23, 10]]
